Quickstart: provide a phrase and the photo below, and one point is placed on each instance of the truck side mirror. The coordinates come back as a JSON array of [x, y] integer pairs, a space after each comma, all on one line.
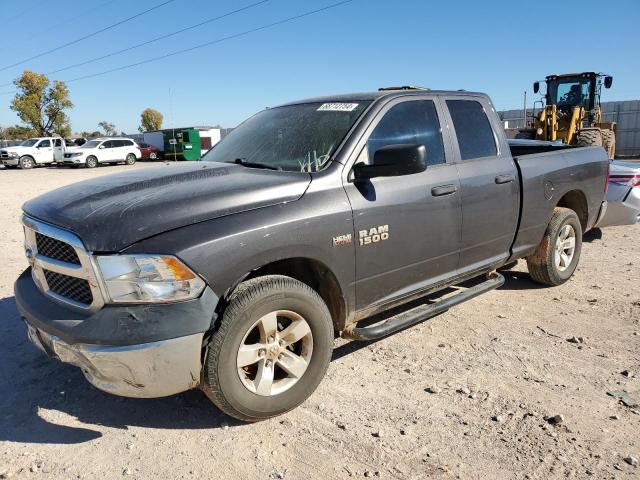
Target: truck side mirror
[[393, 161], [536, 87], [608, 81]]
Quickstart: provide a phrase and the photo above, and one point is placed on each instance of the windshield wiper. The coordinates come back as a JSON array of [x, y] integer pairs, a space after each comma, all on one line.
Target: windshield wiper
[[244, 163]]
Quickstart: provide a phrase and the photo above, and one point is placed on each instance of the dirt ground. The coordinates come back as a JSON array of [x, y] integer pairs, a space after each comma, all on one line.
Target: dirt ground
[[497, 365]]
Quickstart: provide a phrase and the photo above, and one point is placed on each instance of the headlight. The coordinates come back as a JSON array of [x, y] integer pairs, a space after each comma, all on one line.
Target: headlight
[[14, 154], [148, 279], [75, 154]]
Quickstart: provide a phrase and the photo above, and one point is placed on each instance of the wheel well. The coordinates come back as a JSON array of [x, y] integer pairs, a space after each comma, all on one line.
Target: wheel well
[[315, 274], [576, 201]]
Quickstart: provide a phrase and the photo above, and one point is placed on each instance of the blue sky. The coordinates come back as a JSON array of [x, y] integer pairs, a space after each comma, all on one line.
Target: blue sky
[[498, 47]]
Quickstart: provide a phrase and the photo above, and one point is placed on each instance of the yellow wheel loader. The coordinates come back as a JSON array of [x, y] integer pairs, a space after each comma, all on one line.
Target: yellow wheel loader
[[571, 112]]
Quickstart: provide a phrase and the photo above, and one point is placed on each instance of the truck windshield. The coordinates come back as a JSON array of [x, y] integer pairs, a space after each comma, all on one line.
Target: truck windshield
[[29, 143], [298, 138]]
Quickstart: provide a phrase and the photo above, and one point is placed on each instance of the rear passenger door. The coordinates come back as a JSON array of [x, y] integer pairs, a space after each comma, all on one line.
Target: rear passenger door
[[489, 183], [407, 228], [58, 150]]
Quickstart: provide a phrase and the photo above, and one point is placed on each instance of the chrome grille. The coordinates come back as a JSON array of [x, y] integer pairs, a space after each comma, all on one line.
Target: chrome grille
[[56, 249], [76, 289], [60, 266]]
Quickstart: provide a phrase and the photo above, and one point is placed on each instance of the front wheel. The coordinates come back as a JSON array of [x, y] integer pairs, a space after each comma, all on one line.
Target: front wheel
[[91, 162], [556, 257], [131, 159], [26, 163], [271, 350], [153, 156]]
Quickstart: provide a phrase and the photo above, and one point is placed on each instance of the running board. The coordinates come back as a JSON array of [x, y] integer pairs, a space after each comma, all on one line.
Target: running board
[[421, 313]]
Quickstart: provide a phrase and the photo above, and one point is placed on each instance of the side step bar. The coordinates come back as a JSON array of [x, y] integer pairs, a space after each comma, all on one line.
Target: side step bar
[[422, 312]]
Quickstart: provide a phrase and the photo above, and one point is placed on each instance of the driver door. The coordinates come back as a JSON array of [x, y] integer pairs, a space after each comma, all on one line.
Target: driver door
[[407, 228]]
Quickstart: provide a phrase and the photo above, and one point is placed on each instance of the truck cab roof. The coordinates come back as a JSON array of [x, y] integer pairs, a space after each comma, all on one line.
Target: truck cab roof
[[384, 93]]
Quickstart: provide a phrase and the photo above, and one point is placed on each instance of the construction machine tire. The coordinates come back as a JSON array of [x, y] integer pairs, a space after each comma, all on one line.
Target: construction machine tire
[[609, 142], [591, 137]]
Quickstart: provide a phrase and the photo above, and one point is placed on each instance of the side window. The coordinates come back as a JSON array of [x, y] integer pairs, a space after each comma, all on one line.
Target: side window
[[474, 132], [108, 144], [119, 143], [413, 122], [57, 142], [44, 144]]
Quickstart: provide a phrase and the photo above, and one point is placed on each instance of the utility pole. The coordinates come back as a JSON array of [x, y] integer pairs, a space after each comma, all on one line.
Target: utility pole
[[524, 110]]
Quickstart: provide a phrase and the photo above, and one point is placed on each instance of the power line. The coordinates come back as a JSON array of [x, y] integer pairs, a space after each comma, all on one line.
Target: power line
[[213, 42], [93, 34], [206, 44], [161, 37]]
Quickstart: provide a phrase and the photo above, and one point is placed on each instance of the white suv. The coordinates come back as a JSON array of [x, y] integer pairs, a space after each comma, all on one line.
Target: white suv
[[103, 150]]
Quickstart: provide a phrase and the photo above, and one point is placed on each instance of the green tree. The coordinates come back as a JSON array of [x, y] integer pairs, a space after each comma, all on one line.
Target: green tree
[[17, 132], [41, 105], [150, 120], [109, 129]]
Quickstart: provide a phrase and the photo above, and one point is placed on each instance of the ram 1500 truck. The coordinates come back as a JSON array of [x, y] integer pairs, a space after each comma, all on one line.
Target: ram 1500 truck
[[234, 274], [33, 152]]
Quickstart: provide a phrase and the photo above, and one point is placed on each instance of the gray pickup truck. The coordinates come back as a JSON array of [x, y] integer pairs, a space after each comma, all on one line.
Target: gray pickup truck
[[234, 274]]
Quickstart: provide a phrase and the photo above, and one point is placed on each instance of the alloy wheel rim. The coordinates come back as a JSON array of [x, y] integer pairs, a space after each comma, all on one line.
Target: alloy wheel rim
[[565, 247], [275, 353]]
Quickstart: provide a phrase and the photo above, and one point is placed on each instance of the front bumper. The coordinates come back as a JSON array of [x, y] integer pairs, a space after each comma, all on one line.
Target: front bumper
[[150, 370], [144, 350], [10, 162]]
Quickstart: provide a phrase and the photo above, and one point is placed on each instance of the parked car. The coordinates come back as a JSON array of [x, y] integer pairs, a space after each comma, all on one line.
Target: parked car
[[33, 152], [623, 195], [103, 150], [149, 152], [233, 274]]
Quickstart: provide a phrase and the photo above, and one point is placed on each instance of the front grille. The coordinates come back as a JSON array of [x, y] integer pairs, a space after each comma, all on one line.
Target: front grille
[[76, 289], [56, 249], [4, 154]]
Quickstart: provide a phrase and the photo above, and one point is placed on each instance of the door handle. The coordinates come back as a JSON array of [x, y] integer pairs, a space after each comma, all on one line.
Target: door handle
[[505, 179], [443, 190]]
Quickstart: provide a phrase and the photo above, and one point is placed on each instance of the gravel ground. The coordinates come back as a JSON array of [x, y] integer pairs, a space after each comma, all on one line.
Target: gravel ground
[[467, 394]]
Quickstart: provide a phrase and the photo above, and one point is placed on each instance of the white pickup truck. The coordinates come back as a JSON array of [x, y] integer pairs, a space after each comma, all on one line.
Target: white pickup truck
[[32, 152]]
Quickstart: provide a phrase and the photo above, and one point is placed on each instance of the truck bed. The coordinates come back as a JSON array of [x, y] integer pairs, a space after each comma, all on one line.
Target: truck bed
[[550, 171]]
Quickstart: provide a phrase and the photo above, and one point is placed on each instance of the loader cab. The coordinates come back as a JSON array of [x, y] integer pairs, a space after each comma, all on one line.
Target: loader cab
[[575, 90]]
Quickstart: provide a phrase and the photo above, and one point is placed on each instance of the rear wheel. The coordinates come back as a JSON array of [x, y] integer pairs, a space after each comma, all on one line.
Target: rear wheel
[[557, 255], [91, 162], [131, 159], [26, 162], [271, 350], [591, 137], [609, 142]]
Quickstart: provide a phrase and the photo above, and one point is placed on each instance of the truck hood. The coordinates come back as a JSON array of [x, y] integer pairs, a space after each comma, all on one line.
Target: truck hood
[[112, 212], [18, 148]]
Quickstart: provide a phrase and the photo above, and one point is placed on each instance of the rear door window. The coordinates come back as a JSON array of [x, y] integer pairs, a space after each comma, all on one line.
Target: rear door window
[[57, 142], [473, 130], [410, 123]]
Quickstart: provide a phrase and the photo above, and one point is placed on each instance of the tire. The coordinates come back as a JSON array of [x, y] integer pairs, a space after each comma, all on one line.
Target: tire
[[237, 391], [591, 137], [609, 142], [549, 265], [153, 156], [26, 162], [130, 159], [91, 162]]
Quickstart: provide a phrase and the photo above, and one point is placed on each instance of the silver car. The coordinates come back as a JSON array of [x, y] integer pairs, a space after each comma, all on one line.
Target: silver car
[[623, 195]]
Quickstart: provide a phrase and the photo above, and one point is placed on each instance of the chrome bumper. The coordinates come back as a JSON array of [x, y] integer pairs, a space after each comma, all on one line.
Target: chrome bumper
[[148, 370], [10, 162]]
